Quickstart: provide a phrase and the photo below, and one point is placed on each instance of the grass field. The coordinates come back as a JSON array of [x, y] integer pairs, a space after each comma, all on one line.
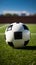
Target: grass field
[[12, 56]]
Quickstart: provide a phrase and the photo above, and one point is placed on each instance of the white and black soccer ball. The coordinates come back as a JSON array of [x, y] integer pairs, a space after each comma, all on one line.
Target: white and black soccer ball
[[17, 34]]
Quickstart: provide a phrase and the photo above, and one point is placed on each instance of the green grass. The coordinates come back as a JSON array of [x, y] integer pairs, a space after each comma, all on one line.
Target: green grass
[[1, 25], [12, 56]]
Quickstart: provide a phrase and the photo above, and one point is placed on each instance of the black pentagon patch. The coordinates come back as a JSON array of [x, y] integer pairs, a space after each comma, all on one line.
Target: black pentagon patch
[[17, 35], [25, 27], [11, 44], [26, 42], [9, 28]]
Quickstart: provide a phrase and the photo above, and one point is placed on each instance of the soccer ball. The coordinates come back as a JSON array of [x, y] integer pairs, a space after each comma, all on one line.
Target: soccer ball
[[17, 34]]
